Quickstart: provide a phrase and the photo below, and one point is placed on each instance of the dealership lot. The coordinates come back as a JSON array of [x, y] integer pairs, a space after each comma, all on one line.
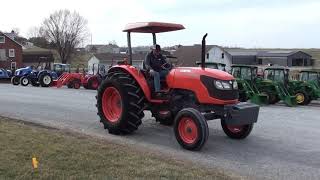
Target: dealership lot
[[284, 143]]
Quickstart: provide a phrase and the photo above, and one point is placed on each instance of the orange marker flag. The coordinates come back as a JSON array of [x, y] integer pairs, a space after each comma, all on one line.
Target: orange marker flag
[[34, 163]]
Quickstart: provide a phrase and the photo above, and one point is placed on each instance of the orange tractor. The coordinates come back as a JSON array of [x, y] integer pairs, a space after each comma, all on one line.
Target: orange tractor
[[195, 95]]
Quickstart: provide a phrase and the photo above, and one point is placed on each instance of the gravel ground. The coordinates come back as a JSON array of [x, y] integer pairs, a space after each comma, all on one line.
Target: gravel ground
[[284, 144]]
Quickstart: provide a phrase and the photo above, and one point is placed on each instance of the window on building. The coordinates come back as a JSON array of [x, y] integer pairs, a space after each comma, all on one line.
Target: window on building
[[13, 65], [222, 55], [259, 61], [3, 55], [11, 53], [207, 55], [305, 62], [297, 62], [2, 39]]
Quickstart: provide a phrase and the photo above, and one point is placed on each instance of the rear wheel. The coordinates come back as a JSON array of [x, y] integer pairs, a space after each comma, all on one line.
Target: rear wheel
[[191, 129], [76, 84], [45, 80], [15, 80], [236, 132], [120, 103], [302, 98], [93, 84], [24, 81]]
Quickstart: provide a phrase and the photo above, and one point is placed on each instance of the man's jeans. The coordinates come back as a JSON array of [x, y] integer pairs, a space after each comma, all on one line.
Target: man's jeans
[[156, 78]]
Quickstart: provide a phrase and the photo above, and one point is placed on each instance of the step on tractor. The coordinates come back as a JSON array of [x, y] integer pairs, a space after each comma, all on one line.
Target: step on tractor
[[246, 77], [303, 91], [29, 75], [194, 95], [78, 79]]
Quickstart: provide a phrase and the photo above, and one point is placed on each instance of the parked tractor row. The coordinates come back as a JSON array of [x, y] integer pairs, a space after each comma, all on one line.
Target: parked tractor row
[[59, 76], [275, 85]]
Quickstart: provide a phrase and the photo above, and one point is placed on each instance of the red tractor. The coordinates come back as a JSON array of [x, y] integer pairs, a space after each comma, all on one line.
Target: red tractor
[[78, 79], [195, 95]]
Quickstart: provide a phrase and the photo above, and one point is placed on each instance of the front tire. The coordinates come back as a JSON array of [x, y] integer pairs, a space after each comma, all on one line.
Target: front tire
[[191, 129], [236, 132], [302, 98], [15, 80], [120, 103], [24, 81]]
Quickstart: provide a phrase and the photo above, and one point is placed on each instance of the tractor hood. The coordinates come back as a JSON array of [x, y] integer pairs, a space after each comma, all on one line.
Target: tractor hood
[[198, 71], [23, 71]]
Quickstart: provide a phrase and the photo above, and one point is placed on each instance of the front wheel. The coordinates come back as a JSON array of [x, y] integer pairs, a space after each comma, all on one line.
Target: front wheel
[[236, 132], [302, 98], [24, 81], [15, 80], [191, 129]]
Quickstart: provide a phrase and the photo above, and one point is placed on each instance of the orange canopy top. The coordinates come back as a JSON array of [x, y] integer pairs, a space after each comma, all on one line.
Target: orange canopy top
[[152, 27]]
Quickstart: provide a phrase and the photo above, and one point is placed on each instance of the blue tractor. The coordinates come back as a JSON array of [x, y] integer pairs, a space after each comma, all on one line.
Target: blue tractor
[[41, 77], [5, 74], [28, 75]]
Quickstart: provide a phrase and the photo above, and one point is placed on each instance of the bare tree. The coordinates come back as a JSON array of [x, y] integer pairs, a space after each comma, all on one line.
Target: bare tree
[[66, 31], [33, 32]]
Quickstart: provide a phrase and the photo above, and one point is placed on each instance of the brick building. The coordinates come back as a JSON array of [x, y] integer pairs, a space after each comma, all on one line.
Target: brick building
[[10, 52]]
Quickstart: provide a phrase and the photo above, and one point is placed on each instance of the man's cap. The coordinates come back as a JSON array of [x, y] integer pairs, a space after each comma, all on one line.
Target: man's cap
[[156, 47]]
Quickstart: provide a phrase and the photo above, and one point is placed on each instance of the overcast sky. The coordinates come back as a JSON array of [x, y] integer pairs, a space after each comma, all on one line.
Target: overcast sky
[[241, 23]]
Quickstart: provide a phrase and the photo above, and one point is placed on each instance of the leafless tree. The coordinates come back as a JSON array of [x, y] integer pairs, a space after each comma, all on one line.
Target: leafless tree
[[66, 31]]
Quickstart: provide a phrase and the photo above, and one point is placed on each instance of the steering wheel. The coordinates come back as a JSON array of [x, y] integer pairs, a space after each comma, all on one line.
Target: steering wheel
[[166, 66]]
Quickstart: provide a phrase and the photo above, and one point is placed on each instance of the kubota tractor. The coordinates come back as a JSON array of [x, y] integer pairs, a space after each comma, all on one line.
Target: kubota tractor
[[195, 95]]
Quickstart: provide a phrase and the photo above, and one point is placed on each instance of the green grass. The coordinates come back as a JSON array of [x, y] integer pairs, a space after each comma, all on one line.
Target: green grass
[[65, 155]]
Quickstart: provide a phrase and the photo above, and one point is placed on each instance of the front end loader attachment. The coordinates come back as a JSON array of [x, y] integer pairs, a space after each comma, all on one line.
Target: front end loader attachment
[[259, 99], [285, 96]]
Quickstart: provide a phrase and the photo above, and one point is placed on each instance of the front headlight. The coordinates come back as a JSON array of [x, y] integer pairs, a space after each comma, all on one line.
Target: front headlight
[[235, 85], [218, 84], [225, 85]]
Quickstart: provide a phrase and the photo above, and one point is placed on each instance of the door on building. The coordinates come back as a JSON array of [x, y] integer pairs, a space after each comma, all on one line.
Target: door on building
[[13, 66]]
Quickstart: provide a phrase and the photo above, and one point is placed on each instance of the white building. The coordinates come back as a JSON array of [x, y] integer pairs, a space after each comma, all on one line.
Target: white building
[[110, 59]]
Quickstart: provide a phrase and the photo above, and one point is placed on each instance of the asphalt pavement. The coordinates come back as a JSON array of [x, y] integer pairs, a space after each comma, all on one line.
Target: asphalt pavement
[[284, 144]]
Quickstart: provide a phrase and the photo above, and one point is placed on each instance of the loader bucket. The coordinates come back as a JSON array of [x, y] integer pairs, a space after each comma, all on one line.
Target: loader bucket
[[290, 101], [259, 99]]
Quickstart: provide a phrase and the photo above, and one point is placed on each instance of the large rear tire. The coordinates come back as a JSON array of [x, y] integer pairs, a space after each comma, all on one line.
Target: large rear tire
[[45, 80], [236, 132], [191, 129], [15, 80], [120, 103]]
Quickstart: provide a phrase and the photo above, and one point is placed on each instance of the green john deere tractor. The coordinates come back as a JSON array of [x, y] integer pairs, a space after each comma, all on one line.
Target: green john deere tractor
[[303, 91], [253, 87], [246, 77], [313, 78]]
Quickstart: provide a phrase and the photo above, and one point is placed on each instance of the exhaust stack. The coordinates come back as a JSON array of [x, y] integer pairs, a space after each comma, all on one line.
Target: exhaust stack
[[203, 51]]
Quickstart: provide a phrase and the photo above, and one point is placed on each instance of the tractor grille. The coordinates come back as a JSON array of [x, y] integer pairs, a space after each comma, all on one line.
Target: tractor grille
[[218, 93]]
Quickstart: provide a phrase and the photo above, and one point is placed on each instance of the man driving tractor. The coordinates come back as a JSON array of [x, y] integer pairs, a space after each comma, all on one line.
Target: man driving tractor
[[155, 62]]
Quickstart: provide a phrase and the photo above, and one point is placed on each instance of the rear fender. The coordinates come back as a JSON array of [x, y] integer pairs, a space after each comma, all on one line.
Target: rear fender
[[137, 75]]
